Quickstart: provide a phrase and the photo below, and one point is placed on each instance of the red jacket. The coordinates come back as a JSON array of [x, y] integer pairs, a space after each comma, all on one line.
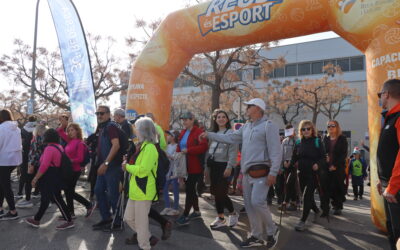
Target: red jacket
[[195, 150]]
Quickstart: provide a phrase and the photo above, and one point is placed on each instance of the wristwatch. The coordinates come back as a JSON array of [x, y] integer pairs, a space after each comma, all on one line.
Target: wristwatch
[[106, 163]]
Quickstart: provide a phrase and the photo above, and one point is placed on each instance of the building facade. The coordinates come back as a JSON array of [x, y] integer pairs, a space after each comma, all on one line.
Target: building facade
[[305, 60]]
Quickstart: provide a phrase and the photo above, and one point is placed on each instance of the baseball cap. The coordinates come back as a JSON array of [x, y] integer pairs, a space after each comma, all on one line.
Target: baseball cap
[[256, 101], [187, 115], [356, 152]]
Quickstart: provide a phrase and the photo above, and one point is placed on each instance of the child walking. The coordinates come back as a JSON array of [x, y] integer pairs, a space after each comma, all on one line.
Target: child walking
[[172, 138], [358, 171]]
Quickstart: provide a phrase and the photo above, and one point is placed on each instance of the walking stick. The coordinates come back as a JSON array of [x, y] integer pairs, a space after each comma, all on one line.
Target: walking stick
[[120, 205], [284, 197]]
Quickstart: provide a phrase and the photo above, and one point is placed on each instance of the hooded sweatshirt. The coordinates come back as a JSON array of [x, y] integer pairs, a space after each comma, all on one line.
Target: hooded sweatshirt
[[261, 144], [10, 144], [30, 126]]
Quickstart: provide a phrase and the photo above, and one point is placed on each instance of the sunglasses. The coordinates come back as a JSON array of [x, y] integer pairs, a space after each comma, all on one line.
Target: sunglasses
[[331, 126], [100, 113], [305, 129], [381, 93]]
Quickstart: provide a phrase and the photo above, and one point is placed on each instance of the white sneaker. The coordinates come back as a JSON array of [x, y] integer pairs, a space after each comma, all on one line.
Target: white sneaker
[[173, 212], [233, 219], [34, 196], [24, 204], [165, 211], [217, 223]]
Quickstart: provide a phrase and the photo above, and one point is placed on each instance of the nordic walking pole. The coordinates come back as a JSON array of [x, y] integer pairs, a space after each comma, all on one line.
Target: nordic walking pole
[[284, 197]]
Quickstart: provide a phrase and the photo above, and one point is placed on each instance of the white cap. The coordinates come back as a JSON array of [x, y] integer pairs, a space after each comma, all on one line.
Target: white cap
[[256, 101]]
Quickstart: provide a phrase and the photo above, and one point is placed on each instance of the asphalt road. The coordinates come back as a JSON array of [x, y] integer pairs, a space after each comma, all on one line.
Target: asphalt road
[[352, 230]]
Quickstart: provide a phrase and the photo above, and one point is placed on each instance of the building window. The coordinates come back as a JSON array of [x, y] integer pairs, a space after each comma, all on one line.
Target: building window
[[256, 73], [291, 70], [304, 69], [316, 67], [357, 63], [279, 72], [344, 64]]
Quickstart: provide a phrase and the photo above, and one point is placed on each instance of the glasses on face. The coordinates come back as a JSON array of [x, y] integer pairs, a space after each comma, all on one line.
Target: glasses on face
[[305, 129], [381, 93], [331, 126], [100, 113]]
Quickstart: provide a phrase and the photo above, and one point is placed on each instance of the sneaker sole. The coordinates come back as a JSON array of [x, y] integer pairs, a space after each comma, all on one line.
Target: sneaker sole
[[9, 218], [29, 206], [219, 226], [31, 224], [253, 245], [71, 226], [195, 218]]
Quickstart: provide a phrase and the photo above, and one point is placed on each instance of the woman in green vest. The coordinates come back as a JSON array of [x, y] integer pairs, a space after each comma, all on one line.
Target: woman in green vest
[[142, 184]]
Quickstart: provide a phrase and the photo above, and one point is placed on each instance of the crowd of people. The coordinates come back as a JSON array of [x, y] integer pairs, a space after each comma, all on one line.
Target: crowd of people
[[130, 168]]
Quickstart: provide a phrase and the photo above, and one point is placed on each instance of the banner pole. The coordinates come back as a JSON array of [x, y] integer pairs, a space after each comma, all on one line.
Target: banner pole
[[31, 103]]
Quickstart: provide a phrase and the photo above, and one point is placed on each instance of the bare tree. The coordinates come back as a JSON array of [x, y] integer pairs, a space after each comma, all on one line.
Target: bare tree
[[50, 85], [222, 71]]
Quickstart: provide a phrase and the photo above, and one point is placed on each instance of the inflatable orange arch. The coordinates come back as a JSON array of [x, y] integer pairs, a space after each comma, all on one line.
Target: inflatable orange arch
[[372, 26]]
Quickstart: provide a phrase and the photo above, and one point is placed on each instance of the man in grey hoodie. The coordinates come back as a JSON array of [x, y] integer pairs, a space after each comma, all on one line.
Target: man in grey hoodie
[[260, 145]]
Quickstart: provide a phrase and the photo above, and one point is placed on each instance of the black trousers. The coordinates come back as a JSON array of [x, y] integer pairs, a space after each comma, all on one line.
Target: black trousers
[[358, 190], [308, 186], [71, 195], [292, 194], [5, 186], [333, 189], [220, 187], [155, 215], [192, 200], [50, 189], [337, 188], [392, 211], [25, 181]]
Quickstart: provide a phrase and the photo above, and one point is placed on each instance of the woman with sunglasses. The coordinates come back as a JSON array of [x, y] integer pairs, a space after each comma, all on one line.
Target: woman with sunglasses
[[308, 156], [336, 148]]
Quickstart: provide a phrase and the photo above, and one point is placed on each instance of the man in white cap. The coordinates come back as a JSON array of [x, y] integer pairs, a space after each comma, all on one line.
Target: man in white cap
[[261, 151]]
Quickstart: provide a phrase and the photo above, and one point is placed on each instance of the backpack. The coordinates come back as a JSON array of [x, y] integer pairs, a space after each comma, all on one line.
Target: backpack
[[316, 142], [66, 165], [122, 138], [162, 168]]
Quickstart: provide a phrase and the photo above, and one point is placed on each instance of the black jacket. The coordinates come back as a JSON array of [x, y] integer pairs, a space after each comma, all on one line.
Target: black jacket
[[388, 148], [306, 153], [339, 152]]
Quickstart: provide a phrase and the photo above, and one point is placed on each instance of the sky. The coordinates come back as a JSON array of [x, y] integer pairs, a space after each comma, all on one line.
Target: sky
[[114, 18]]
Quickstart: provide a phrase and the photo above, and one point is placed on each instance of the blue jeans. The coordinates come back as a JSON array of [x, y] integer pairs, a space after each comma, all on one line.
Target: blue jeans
[[107, 191], [175, 189]]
